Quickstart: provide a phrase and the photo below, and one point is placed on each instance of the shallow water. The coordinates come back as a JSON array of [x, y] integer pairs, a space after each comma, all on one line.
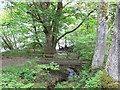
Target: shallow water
[[72, 73]]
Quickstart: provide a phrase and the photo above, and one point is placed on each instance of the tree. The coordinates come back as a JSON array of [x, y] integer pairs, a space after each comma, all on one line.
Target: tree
[[50, 19], [51, 16], [113, 61], [98, 57], [18, 30]]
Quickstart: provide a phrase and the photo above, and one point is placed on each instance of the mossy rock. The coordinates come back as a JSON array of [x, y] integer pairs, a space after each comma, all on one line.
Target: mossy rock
[[112, 85], [107, 81]]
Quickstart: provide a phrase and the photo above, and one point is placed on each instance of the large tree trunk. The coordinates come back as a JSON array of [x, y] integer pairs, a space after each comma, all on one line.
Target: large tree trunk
[[51, 33], [50, 47], [113, 62], [98, 57]]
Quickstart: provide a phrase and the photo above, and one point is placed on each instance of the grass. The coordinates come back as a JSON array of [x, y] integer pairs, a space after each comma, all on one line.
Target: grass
[[30, 75], [25, 53]]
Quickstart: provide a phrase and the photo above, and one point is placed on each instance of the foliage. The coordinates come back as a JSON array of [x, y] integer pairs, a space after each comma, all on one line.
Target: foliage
[[27, 33], [60, 86], [77, 82], [107, 81], [85, 45], [101, 80], [20, 27], [94, 82], [25, 53], [32, 75], [25, 76], [52, 66]]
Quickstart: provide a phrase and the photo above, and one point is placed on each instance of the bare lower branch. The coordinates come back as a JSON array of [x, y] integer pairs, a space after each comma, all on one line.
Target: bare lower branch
[[67, 4], [76, 27], [111, 27]]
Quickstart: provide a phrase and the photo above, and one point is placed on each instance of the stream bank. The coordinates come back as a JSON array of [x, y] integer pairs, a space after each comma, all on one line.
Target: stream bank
[[64, 74]]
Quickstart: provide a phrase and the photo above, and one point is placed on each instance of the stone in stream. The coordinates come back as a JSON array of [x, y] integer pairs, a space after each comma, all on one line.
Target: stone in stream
[[72, 73], [62, 76]]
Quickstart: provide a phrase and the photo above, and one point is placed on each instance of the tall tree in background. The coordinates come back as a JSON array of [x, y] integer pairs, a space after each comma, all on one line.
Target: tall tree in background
[[98, 57], [51, 17], [45, 23], [40, 12], [113, 62]]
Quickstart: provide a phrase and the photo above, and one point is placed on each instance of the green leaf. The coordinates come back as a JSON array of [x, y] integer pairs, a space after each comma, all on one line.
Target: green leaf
[[28, 85]]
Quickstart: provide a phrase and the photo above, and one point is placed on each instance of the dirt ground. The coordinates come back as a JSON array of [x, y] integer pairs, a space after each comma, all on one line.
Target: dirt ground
[[14, 61]]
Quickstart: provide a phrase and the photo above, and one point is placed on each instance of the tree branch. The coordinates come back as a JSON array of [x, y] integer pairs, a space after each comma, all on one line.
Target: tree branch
[[67, 16], [57, 14], [76, 27], [67, 4], [111, 27]]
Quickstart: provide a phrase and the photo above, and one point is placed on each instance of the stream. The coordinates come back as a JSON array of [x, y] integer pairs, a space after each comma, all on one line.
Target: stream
[[72, 72]]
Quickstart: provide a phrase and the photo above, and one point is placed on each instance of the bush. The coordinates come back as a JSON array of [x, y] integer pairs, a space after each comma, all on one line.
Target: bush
[[94, 82], [25, 76], [85, 44], [77, 82]]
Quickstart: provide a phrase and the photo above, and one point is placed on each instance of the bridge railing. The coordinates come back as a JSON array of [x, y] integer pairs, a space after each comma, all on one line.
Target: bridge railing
[[65, 58]]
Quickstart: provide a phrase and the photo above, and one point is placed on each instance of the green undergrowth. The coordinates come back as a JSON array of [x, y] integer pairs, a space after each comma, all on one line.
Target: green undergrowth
[[27, 76], [101, 80], [18, 53], [33, 75], [79, 81], [85, 45], [91, 80], [107, 81]]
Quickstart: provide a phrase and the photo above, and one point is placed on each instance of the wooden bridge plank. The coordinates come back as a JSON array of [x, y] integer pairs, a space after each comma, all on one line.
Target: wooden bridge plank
[[61, 59], [61, 62], [66, 59]]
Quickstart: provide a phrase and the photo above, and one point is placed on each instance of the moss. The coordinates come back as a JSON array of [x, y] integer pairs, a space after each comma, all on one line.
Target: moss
[[107, 81], [103, 8], [112, 85]]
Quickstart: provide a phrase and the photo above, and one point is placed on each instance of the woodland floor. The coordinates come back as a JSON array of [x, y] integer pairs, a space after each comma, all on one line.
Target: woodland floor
[[18, 60], [19, 57], [16, 57]]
